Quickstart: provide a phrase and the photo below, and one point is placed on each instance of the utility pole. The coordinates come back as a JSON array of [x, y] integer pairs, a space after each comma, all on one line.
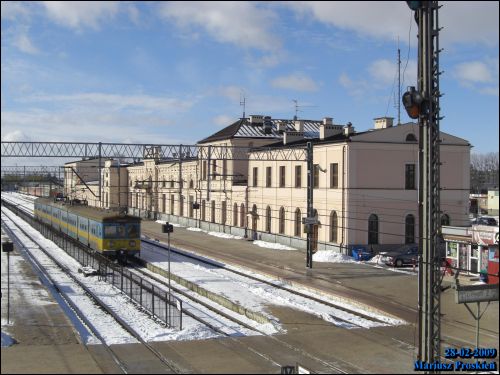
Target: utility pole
[[423, 104], [399, 84], [310, 189]]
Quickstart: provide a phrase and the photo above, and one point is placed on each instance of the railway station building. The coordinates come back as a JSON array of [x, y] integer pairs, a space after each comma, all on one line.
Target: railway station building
[[250, 180]]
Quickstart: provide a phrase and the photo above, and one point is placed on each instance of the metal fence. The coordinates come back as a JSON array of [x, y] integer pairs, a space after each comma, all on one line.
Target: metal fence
[[159, 303]]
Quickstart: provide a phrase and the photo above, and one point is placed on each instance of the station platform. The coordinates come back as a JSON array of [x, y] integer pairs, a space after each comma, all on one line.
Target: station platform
[[45, 340]]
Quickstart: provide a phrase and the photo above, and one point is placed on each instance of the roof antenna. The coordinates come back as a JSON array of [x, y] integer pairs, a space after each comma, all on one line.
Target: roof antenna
[[243, 102], [297, 106]]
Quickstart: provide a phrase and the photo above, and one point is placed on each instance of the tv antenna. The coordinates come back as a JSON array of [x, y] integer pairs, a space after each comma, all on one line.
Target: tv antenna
[[243, 101], [297, 106]]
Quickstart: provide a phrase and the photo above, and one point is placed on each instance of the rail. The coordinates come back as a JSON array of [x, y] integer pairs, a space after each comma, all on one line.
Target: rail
[[158, 303]]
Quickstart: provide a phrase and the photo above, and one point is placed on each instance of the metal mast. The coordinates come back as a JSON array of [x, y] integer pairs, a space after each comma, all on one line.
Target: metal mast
[[399, 85], [429, 185]]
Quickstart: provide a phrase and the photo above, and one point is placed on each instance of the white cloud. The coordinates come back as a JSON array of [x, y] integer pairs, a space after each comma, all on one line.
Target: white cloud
[[223, 120], [232, 93], [82, 125], [116, 102], [463, 22], [379, 19], [11, 10], [244, 24], [295, 81], [481, 76], [384, 72], [24, 44], [473, 71], [15, 136], [81, 14], [355, 88]]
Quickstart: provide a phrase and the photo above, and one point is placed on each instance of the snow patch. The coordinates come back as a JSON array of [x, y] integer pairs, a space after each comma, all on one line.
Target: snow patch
[[331, 256], [271, 245], [172, 224]]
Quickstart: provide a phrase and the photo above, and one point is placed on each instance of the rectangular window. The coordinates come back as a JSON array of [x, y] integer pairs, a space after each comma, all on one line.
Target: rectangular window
[[268, 176], [316, 176], [214, 167], [204, 170], [224, 169], [298, 176], [334, 175], [410, 176], [282, 176], [254, 176]]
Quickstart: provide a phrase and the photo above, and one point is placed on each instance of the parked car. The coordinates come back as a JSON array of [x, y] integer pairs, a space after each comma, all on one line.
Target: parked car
[[491, 221], [400, 258]]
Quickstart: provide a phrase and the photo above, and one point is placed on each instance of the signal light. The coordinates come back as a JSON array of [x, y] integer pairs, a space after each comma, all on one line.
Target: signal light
[[412, 100]]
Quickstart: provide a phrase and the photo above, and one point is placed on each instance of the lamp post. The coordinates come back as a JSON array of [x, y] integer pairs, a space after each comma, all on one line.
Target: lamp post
[[168, 228], [7, 247]]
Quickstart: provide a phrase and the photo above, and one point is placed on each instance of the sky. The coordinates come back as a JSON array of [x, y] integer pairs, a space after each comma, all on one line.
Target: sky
[[176, 72]]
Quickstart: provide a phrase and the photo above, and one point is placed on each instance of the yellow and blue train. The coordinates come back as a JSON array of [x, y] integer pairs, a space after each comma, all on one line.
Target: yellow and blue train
[[104, 231]]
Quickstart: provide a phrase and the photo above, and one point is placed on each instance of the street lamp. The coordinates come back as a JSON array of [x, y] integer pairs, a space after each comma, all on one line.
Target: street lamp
[[168, 228], [7, 247]]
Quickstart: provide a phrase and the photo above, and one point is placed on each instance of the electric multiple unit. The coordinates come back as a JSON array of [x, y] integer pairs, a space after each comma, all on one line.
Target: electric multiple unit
[[104, 231]]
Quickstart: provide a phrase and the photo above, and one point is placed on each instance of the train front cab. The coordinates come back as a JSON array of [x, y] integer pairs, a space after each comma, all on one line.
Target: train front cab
[[122, 237]]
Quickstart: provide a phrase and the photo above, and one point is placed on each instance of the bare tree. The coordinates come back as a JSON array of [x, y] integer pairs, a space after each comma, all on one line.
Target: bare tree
[[484, 172]]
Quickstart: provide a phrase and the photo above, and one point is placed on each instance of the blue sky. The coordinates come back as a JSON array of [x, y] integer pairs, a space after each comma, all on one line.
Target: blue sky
[[174, 72]]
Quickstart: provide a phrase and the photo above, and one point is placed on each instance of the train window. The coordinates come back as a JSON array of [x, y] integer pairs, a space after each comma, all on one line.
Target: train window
[[110, 231], [120, 231], [132, 230]]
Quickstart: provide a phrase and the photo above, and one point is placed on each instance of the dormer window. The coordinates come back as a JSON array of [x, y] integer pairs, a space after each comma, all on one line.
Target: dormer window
[[411, 138]]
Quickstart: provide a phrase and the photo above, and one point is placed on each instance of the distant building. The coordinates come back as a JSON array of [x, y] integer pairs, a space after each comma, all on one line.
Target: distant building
[[493, 202]]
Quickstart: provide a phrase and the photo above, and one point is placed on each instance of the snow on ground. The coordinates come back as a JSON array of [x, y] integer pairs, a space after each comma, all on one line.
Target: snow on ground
[[173, 224], [226, 236], [227, 326], [251, 294], [273, 245], [118, 302], [332, 257]]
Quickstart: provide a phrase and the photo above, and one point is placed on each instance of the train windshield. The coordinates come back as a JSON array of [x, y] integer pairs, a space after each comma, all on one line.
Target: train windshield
[[114, 231], [121, 231], [133, 230]]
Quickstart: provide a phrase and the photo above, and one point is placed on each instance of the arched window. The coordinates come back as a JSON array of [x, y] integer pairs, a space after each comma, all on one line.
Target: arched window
[[333, 227], [282, 220], [410, 229], [242, 215], [268, 219], [297, 223], [445, 219], [411, 138], [235, 214], [373, 229]]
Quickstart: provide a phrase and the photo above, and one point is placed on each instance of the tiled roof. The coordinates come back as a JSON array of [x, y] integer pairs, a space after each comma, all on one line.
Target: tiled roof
[[244, 129]]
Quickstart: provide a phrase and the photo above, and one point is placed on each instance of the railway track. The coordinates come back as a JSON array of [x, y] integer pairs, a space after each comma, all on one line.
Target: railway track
[[338, 366], [181, 254], [10, 227]]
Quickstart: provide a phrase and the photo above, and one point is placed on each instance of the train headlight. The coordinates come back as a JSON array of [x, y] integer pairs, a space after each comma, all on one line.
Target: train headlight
[[131, 243]]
